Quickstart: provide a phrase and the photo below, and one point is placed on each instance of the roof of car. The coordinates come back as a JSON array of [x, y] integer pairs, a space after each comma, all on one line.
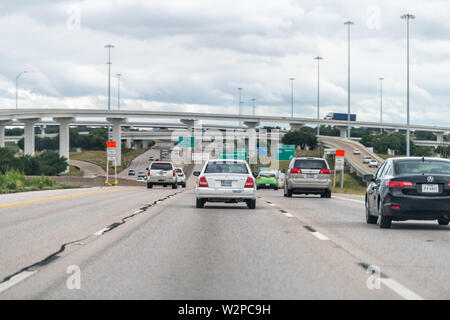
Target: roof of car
[[308, 158], [418, 158], [232, 160]]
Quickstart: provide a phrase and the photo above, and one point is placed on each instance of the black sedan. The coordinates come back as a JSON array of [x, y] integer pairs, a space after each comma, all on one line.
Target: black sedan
[[413, 188]]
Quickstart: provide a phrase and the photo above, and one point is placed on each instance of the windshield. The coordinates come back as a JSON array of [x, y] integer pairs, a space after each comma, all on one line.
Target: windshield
[[310, 164], [267, 175], [418, 166], [161, 166], [226, 167]]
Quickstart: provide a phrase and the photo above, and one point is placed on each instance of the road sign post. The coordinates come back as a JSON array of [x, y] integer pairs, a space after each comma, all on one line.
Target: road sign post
[[111, 156], [339, 162]]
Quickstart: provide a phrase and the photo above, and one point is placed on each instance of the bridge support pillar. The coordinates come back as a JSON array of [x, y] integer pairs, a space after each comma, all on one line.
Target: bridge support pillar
[[440, 137], [390, 131], [251, 133], [342, 131], [29, 136], [144, 144], [296, 126], [64, 137], [3, 124], [117, 136], [128, 143]]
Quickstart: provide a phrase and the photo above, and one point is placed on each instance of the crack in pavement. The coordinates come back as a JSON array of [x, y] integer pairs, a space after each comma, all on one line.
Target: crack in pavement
[[52, 257]]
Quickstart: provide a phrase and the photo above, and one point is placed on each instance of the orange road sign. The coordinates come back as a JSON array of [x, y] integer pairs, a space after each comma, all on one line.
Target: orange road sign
[[340, 153], [110, 144]]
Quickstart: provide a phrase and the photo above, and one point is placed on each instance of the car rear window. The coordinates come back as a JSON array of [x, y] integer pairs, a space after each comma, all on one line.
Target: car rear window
[[226, 167], [416, 166], [267, 175], [161, 166], [310, 164], [179, 170]]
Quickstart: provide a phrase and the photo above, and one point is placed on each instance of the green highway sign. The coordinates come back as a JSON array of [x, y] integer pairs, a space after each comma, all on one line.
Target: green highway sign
[[238, 154], [285, 152], [186, 142]]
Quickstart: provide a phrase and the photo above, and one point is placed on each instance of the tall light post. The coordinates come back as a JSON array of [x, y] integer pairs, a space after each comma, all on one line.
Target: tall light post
[[240, 103], [318, 58], [381, 102], [348, 23], [118, 90], [109, 47], [17, 88], [253, 105], [408, 17], [292, 96]]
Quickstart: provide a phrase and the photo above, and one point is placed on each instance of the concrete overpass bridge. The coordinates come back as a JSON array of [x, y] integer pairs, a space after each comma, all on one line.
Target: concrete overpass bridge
[[29, 118]]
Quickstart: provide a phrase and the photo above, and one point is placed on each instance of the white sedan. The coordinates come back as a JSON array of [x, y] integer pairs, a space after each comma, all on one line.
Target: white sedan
[[373, 163], [225, 180]]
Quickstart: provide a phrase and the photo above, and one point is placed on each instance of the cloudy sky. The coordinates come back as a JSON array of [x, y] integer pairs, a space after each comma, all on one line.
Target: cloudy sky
[[192, 55]]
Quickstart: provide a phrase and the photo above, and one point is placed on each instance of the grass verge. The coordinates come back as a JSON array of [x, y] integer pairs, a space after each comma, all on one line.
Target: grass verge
[[16, 182], [352, 185]]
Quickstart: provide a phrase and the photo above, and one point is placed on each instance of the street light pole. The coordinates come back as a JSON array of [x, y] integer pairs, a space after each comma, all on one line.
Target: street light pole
[[118, 90], [17, 90], [381, 103], [292, 96], [318, 58], [407, 17], [109, 47], [253, 105], [348, 23], [240, 103]]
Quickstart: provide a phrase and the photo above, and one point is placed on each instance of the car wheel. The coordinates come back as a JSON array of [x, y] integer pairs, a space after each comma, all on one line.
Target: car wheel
[[184, 185], [200, 203], [289, 193], [329, 194], [275, 188], [369, 218], [385, 222], [443, 222], [174, 186], [251, 204], [149, 186]]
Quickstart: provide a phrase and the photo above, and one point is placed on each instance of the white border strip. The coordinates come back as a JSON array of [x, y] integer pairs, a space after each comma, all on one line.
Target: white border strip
[[347, 199], [319, 236], [15, 280], [400, 289]]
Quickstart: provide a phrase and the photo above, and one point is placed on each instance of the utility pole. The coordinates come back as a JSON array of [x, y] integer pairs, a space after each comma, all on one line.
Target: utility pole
[[407, 17], [318, 58], [292, 96], [381, 103], [118, 90], [348, 23]]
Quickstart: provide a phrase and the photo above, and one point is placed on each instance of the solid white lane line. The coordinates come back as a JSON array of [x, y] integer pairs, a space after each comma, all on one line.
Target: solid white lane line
[[15, 280], [319, 236], [400, 289], [347, 199]]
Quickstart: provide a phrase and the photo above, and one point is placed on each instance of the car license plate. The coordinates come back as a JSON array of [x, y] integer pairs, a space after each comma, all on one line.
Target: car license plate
[[310, 175], [237, 191], [160, 180], [430, 188], [267, 185], [226, 183]]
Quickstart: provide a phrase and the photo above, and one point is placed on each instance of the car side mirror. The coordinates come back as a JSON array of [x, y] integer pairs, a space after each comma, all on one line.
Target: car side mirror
[[368, 177], [255, 174], [283, 171], [146, 169], [196, 173]]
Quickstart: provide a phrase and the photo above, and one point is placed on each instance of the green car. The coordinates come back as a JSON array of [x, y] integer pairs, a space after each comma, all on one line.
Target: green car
[[267, 180]]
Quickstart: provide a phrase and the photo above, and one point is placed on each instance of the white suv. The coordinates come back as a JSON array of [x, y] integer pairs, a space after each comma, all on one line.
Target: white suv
[[161, 173], [181, 177], [225, 180]]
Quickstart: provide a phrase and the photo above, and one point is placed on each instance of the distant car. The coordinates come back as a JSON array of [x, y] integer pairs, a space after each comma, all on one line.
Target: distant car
[[356, 151], [409, 188], [225, 180], [181, 177], [367, 159], [267, 180], [131, 172], [150, 158], [140, 178], [161, 173], [373, 163], [307, 175]]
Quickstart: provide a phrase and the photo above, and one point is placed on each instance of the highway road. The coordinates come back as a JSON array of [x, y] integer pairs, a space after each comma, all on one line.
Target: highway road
[[135, 243]]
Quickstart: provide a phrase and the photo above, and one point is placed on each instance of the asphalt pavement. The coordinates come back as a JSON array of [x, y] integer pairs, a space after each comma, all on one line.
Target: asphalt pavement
[[135, 243]]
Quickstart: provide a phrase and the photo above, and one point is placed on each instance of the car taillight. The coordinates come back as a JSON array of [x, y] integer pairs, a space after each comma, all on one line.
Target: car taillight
[[148, 172], [293, 170], [325, 171], [202, 182], [181, 175], [399, 184], [448, 185], [173, 173], [259, 178], [250, 183]]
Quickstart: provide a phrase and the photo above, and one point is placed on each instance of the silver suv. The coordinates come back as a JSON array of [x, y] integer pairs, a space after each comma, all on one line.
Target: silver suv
[[308, 176], [161, 173]]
